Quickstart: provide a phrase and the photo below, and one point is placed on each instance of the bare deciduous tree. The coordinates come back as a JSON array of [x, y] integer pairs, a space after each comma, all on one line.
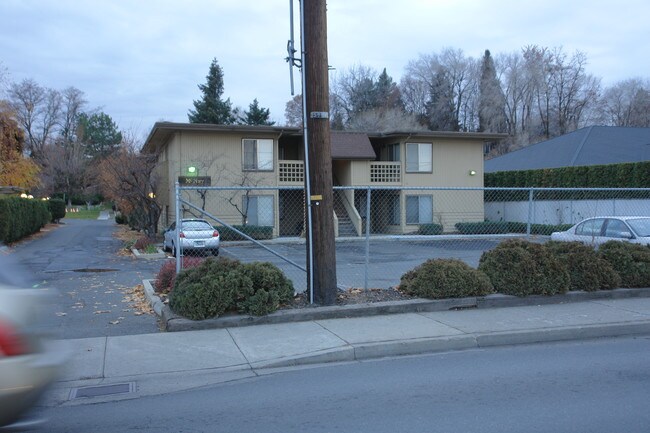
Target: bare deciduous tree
[[129, 178], [38, 110]]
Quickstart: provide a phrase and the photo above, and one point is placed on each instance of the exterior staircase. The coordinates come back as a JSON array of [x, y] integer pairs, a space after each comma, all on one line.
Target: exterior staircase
[[346, 228]]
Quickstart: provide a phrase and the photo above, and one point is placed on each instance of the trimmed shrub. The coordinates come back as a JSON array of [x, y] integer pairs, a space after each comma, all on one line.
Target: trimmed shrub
[[269, 290], [142, 243], [167, 274], [630, 261], [588, 271], [221, 285], [483, 227], [445, 278], [56, 207], [521, 268], [120, 218], [207, 290], [430, 229], [255, 232]]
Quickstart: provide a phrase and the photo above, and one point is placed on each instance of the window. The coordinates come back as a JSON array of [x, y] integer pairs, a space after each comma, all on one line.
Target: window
[[590, 227], [392, 152], [259, 210], [394, 210], [418, 158], [617, 229], [419, 209], [257, 154]]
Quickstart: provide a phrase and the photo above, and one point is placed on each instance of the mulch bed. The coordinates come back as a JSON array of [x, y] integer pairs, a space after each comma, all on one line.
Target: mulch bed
[[354, 296]]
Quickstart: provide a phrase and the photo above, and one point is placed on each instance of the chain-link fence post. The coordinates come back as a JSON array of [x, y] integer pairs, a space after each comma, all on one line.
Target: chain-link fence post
[[176, 247], [368, 201], [530, 211]]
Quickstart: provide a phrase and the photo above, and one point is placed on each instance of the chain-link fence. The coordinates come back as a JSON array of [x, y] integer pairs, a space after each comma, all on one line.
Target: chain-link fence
[[381, 233]]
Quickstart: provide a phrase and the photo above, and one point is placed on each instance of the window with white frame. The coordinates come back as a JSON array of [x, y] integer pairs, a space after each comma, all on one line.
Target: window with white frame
[[257, 154], [419, 209], [259, 210], [394, 210], [419, 157]]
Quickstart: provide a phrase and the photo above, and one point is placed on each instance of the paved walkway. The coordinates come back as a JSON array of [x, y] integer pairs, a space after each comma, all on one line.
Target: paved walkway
[[335, 340]]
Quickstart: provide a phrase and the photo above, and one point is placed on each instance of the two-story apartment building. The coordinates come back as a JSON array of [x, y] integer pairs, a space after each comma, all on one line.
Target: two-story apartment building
[[264, 156]]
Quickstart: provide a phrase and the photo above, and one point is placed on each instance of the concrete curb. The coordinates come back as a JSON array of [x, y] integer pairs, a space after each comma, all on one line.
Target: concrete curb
[[384, 349], [159, 255], [173, 322]]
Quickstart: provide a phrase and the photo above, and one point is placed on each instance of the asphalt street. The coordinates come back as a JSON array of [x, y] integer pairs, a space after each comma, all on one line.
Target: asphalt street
[[78, 261], [600, 386]]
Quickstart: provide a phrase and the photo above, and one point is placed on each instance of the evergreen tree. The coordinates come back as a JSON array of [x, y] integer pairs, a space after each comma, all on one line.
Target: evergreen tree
[[99, 134], [440, 108], [211, 108], [386, 92], [492, 101], [256, 115]]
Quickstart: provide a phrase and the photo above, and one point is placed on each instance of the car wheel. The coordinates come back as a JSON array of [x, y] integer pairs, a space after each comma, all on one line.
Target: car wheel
[[215, 252], [173, 250]]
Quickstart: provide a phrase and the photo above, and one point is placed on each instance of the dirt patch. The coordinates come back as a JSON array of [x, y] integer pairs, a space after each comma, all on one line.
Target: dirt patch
[[355, 296]]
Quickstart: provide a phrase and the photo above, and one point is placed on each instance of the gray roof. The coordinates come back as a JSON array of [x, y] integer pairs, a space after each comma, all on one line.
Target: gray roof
[[593, 145], [351, 145]]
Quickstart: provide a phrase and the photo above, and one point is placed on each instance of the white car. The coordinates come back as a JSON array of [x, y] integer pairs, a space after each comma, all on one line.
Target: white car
[[598, 230], [29, 363], [195, 235]]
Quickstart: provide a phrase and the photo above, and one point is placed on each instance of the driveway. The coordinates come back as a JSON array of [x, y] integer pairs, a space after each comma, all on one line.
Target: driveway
[[388, 259], [78, 260]]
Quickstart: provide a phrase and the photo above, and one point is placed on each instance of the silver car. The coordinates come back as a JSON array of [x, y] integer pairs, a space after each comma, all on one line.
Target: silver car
[[29, 363], [195, 235], [598, 230]]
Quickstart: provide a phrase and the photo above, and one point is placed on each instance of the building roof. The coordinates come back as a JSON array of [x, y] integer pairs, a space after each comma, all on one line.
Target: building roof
[[344, 145], [351, 145], [593, 145]]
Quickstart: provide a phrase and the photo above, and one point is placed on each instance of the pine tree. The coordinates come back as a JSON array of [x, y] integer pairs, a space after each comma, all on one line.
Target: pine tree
[[99, 134], [440, 112], [256, 115], [492, 101], [211, 108]]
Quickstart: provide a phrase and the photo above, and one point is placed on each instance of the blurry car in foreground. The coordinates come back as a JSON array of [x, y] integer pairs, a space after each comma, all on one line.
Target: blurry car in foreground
[[195, 235], [598, 230], [28, 362]]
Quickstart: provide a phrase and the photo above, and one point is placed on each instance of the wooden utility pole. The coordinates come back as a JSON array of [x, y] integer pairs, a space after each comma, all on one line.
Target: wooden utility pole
[[320, 155]]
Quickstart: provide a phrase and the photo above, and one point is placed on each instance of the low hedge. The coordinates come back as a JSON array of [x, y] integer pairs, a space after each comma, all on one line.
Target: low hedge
[[502, 227], [220, 285], [21, 217], [483, 227], [521, 268], [537, 229], [630, 261], [255, 232], [430, 229], [445, 278]]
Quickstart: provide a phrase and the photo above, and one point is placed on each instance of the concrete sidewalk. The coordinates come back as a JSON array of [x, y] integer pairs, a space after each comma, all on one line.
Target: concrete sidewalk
[[248, 349]]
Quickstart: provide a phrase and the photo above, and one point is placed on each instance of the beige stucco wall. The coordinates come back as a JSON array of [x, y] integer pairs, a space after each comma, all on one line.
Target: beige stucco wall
[[220, 157]]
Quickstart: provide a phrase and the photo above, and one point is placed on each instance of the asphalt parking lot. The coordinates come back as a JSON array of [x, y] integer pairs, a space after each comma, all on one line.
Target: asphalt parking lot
[[388, 259]]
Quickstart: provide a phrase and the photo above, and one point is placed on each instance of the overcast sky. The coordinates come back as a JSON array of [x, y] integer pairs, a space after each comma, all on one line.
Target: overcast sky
[[140, 61]]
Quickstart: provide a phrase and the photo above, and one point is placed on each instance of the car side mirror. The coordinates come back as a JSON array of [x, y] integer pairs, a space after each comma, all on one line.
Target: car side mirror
[[627, 235]]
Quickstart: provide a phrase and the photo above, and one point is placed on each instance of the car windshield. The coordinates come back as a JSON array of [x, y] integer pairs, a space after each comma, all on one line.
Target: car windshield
[[196, 225], [640, 226]]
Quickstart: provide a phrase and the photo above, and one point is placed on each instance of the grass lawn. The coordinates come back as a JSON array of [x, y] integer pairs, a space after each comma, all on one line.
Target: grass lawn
[[83, 214]]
